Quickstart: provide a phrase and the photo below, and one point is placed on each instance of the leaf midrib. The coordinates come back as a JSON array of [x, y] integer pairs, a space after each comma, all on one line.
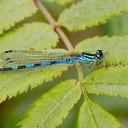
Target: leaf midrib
[[58, 105]]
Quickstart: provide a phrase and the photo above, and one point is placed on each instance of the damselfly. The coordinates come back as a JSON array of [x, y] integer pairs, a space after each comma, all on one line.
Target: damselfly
[[21, 59]]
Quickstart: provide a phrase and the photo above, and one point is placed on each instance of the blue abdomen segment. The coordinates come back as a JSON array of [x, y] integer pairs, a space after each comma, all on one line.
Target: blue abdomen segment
[[14, 67], [48, 63], [68, 61], [30, 65]]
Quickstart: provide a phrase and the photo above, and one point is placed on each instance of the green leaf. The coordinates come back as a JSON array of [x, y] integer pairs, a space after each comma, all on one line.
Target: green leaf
[[112, 81], [53, 8], [96, 118], [14, 82], [13, 11], [34, 35], [114, 48], [117, 25], [88, 13], [61, 2], [50, 110]]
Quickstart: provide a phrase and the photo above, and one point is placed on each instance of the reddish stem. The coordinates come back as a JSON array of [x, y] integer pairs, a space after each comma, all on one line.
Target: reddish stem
[[56, 27]]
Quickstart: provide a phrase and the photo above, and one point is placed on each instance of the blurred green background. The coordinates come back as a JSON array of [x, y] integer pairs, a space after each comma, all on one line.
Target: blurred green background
[[12, 111]]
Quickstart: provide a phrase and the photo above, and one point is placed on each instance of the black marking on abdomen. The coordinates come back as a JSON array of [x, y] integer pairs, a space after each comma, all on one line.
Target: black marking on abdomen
[[68, 60], [37, 65], [21, 67], [53, 62]]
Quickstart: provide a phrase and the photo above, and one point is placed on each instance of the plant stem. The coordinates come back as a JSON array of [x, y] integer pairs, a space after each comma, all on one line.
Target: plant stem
[[51, 21]]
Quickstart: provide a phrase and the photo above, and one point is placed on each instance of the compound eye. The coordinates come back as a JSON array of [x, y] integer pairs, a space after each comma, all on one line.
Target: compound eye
[[99, 54]]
